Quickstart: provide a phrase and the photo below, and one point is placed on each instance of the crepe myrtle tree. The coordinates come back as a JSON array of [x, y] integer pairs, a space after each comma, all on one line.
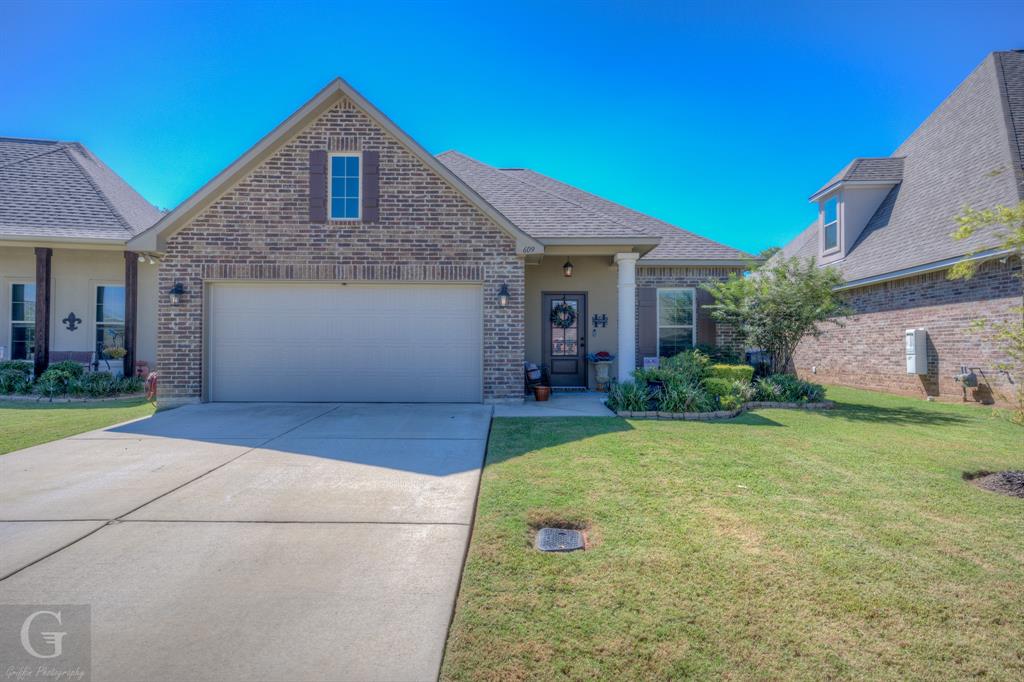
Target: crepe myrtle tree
[[1006, 224], [783, 302]]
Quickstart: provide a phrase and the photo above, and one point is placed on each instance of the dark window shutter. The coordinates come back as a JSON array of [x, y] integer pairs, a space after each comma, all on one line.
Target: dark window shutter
[[371, 186], [318, 186], [647, 323], [705, 323]]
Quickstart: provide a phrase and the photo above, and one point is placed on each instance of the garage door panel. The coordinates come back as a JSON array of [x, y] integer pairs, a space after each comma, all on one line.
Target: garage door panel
[[389, 343]]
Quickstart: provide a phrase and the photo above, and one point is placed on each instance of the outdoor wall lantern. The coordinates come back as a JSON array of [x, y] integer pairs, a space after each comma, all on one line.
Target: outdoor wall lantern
[[503, 296], [176, 291], [567, 268]]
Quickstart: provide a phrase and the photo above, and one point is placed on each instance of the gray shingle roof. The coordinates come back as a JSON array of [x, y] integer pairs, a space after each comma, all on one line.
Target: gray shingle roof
[[546, 208], [60, 190], [965, 153], [868, 169]]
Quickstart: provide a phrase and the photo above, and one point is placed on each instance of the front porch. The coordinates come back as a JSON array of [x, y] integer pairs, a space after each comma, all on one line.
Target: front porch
[[95, 306], [561, 404]]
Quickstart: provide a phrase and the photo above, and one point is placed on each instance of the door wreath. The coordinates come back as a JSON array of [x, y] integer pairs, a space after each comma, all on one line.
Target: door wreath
[[563, 315]]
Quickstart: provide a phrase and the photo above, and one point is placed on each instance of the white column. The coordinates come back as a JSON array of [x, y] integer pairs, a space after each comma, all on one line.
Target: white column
[[626, 263]]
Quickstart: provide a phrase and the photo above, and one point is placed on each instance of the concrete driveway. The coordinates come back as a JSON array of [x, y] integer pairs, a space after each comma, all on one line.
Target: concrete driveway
[[251, 541]]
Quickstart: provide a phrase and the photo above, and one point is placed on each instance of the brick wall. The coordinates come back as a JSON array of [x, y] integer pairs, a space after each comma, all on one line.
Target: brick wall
[[260, 229], [869, 351], [664, 276]]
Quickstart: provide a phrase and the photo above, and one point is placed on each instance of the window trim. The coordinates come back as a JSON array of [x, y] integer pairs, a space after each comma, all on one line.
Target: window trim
[[330, 187], [824, 226], [11, 321], [658, 326], [95, 322]]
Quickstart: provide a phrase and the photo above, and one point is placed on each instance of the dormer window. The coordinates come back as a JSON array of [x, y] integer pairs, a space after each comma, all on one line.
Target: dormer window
[[830, 225]]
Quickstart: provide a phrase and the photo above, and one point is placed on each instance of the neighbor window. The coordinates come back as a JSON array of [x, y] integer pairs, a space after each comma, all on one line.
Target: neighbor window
[[109, 319], [676, 314], [830, 224], [23, 321], [343, 188]]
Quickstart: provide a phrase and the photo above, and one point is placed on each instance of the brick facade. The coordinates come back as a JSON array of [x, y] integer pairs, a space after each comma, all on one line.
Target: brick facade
[[869, 351], [259, 229], [666, 276]]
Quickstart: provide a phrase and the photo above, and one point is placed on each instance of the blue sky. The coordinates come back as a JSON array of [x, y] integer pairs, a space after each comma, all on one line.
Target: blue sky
[[719, 117]]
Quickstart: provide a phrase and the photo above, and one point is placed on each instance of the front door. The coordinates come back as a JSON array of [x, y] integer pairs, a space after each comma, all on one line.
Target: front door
[[564, 321]]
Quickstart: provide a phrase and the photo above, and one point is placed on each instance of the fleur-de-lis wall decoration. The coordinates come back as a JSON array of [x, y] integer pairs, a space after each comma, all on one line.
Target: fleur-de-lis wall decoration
[[71, 321]]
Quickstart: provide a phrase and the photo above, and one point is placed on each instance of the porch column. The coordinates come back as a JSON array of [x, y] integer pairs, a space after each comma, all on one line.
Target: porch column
[[626, 263], [42, 312], [131, 305]]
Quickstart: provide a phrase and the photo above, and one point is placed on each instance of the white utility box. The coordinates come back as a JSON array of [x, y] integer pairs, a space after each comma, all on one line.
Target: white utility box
[[917, 351]]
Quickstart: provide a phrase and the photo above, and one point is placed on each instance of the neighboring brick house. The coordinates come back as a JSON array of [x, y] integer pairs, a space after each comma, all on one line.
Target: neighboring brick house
[[337, 260], [887, 224], [69, 289]]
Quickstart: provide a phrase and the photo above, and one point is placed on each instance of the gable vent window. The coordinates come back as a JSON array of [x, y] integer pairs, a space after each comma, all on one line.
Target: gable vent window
[[344, 187], [830, 225]]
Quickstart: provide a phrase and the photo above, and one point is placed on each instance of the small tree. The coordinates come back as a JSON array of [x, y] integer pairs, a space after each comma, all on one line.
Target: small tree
[[779, 306], [1006, 223]]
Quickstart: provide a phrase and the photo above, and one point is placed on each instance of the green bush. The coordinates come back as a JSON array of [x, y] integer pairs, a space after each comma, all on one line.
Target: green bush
[[14, 381], [789, 389], [629, 396], [743, 373], [69, 367], [689, 367], [130, 384], [718, 387], [94, 385], [680, 397], [56, 381], [22, 366]]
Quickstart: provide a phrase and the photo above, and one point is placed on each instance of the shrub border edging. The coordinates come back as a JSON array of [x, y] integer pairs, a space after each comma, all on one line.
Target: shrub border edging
[[726, 414]]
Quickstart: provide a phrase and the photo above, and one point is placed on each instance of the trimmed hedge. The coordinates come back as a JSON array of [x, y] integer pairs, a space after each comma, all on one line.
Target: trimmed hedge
[[744, 373]]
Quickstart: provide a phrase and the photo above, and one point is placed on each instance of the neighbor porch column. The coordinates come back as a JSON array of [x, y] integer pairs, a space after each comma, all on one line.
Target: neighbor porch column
[[626, 263], [131, 306], [42, 341]]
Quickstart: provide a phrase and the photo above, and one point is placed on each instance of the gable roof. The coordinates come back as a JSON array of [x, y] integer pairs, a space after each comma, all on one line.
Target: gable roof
[[967, 152], [555, 212], [60, 191], [155, 237], [885, 169]]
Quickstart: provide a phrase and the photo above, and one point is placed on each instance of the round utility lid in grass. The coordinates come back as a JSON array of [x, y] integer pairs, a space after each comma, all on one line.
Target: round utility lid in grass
[[559, 540]]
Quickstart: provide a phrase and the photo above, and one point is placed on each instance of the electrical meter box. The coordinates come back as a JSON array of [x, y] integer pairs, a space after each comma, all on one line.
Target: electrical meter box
[[917, 351]]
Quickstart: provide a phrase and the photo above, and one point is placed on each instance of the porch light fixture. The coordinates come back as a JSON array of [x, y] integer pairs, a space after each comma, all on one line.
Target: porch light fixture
[[503, 296], [176, 291], [142, 259], [567, 268]]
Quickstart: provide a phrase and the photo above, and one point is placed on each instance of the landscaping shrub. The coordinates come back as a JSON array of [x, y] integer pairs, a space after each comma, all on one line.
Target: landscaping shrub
[[730, 394], [718, 387], [15, 376], [689, 367], [73, 369], [629, 396], [789, 389], [131, 384], [95, 385], [54, 382], [680, 397], [744, 373]]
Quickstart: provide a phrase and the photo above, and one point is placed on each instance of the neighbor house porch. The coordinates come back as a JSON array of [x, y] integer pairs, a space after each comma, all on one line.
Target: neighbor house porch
[[90, 304]]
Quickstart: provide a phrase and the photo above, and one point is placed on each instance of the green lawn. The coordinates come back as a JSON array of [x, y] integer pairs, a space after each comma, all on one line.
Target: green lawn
[[782, 544], [24, 424]]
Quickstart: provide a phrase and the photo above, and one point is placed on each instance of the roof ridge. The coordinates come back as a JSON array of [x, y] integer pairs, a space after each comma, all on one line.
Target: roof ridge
[[597, 196], [1016, 144], [574, 203], [58, 146], [99, 191]]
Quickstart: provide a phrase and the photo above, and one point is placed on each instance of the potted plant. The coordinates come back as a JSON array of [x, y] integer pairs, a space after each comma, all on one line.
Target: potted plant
[[602, 362], [541, 393]]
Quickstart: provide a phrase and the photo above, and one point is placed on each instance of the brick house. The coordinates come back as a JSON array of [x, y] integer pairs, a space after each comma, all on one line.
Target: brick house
[[337, 260], [887, 223]]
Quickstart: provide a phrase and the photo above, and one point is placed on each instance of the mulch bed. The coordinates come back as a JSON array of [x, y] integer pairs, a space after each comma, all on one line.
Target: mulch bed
[[1003, 482]]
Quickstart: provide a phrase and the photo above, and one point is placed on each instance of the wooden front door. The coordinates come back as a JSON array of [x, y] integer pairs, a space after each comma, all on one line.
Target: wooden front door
[[565, 345]]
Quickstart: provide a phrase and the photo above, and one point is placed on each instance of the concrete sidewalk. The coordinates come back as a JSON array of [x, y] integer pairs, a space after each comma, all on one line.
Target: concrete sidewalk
[[567, 404], [256, 542]]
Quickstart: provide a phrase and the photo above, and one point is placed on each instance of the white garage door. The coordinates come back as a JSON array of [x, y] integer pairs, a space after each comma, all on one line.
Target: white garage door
[[345, 343]]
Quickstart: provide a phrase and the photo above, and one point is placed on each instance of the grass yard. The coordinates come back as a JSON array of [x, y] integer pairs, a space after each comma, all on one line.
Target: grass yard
[[24, 424], [782, 544]]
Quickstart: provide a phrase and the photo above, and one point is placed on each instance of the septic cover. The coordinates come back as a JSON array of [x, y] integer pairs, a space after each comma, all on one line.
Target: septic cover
[[559, 540]]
